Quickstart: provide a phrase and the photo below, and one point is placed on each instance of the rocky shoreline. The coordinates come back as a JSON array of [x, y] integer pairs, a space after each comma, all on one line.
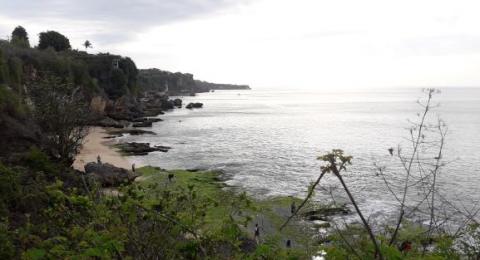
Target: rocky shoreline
[[129, 111], [129, 115], [270, 212], [130, 118], [126, 115]]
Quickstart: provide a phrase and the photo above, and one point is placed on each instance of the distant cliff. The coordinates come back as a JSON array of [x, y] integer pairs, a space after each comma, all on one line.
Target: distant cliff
[[177, 83], [160, 80], [210, 86]]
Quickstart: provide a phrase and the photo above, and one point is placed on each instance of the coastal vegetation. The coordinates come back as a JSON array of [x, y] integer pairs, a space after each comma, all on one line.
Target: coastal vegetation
[[49, 97], [20, 37], [55, 40], [48, 213]]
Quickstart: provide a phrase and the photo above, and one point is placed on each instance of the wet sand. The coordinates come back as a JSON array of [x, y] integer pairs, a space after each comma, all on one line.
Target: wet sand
[[95, 144]]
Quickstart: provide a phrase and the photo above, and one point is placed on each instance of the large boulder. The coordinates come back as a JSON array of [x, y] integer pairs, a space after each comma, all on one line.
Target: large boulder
[[145, 121], [194, 105], [109, 175], [134, 148], [322, 214], [124, 108], [153, 111], [98, 105], [177, 102], [167, 105]]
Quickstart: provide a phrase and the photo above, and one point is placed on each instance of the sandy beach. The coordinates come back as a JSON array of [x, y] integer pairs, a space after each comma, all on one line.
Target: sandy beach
[[95, 144]]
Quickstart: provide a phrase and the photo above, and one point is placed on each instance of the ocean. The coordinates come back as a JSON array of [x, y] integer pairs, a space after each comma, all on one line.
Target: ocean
[[267, 141]]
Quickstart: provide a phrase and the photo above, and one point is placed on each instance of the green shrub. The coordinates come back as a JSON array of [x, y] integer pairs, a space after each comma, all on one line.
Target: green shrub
[[38, 161], [11, 103], [55, 40], [7, 248], [9, 190], [3, 69], [16, 73]]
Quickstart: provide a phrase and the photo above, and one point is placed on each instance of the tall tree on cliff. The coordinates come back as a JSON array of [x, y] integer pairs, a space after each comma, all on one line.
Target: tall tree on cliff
[[87, 44], [20, 37], [55, 40], [118, 84]]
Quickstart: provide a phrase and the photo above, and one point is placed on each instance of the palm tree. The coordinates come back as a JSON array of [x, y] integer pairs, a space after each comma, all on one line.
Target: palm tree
[[87, 44]]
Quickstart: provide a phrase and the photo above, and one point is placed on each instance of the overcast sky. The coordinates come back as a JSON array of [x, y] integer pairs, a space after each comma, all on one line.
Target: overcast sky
[[274, 43]]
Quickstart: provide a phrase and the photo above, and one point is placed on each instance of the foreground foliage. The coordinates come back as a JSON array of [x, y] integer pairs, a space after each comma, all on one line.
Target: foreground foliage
[[49, 212]]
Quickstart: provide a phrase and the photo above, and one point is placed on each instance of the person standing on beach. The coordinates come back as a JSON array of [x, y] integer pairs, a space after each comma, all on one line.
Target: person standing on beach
[[99, 160], [133, 167]]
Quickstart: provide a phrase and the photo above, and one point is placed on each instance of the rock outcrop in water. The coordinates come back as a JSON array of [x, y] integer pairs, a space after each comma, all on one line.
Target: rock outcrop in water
[[134, 148], [177, 102], [194, 105], [323, 213], [145, 122]]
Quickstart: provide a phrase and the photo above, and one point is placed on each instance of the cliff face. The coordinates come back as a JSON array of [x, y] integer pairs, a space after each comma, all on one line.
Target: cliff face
[[156, 80], [214, 86], [98, 105], [102, 78]]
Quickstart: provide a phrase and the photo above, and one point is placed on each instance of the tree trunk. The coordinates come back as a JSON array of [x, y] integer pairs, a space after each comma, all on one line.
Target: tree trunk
[[378, 253]]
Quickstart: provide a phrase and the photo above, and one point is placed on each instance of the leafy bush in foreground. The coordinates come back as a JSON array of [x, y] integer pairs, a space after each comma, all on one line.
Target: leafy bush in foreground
[[48, 211]]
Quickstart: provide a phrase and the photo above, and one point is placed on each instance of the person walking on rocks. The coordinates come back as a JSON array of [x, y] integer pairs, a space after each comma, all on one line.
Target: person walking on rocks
[[99, 160], [133, 167], [293, 208], [257, 233]]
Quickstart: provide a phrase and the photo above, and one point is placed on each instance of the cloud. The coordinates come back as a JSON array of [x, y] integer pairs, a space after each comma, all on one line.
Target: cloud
[[440, 45], [124, 12], [274, 42], [111, 21]]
